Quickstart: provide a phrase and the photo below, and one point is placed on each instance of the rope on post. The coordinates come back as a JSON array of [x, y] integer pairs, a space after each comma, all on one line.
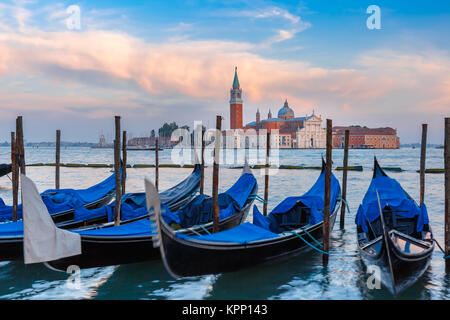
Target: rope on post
[[440, 248]]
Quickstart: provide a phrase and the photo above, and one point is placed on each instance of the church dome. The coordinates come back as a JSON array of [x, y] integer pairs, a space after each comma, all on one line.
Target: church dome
[[286, 112]]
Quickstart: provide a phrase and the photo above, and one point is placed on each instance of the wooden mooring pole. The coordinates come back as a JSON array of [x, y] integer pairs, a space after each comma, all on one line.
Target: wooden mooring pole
[[20, 145], [423, 154], [266, 176], [157, 164], [14, 175], [344, 179], [117, 171], [124, 161], [215, 186], [57, 157], [326, 209], [202, 164], [447, 193]]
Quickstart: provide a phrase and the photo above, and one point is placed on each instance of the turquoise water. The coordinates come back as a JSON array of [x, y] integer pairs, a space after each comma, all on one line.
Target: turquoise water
[[300, 277]]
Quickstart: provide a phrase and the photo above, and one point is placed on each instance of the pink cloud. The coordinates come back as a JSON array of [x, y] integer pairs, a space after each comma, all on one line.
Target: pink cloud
[[381, 80]]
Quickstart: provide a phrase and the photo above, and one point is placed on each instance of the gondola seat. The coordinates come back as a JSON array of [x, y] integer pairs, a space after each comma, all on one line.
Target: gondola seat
[[200, 210]]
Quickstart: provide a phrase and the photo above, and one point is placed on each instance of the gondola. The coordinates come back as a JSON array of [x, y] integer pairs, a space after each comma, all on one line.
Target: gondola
[[133, 204], [61, 202], [133, 208], [393, 233], [295, 225], [133, 241]]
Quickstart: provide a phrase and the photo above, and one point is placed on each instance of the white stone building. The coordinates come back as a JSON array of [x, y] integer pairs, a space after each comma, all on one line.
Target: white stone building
[[312, 135]]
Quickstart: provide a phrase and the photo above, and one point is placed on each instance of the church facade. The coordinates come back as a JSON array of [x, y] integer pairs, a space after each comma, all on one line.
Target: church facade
[[293, 132]]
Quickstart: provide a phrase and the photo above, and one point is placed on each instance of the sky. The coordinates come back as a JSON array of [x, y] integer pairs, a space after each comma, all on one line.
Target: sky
[[161, 61]]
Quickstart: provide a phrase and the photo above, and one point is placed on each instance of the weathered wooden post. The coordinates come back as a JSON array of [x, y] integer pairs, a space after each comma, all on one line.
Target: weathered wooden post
[[326, 208], [215, 186], [14, 175], [157, 163], [57, 157], [447, 192], [20, 145], [117, 171], [202, 164], [124, 161], [344, 178], [266, 177], [423, 154]]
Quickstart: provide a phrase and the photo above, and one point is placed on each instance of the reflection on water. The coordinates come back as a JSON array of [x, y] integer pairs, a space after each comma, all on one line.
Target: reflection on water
[[36, 282], [299, 277]]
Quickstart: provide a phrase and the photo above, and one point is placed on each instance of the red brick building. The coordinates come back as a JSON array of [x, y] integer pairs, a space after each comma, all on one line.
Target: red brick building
[[236, 104], [294, 132], [366, 138]]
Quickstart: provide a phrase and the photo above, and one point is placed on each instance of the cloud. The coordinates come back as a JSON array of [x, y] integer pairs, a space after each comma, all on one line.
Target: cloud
[[294, 25], [203, 69], [97, 73]]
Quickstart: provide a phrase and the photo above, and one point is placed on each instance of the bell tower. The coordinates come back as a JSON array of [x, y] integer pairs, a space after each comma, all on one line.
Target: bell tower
[[236, 103]]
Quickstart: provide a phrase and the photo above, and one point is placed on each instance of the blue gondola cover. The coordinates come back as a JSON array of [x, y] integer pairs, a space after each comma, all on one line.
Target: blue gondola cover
[[391, 193], [313, 199], [200, 211], [58, 200], [243, 234]]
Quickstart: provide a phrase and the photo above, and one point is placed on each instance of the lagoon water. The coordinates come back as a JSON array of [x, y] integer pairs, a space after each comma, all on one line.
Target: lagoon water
[[300, 277]]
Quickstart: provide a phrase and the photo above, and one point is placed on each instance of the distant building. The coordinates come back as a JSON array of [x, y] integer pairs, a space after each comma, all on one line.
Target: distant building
[[366, 138], [312, 135], [102, 141], [164, 142], [236, 103], [294, 132]]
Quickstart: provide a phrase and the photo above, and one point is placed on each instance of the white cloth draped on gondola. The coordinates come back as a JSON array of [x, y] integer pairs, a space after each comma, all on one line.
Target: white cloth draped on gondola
[[43, 241]]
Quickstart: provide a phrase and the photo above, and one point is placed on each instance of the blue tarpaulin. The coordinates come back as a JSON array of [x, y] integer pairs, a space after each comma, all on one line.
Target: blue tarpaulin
[[313, 199], [139, 228], [11, 229], [129, 210], [200, 210], [243, 234], [64, 199], [134, 206], [391, 194]]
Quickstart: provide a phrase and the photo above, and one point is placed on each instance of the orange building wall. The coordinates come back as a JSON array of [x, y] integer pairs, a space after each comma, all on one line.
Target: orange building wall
[[235, 116]]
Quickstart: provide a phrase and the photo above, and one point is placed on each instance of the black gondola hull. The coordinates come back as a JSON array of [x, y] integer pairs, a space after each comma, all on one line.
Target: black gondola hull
[[11, 248], [406, 268], [105, 251], [186, 258]]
